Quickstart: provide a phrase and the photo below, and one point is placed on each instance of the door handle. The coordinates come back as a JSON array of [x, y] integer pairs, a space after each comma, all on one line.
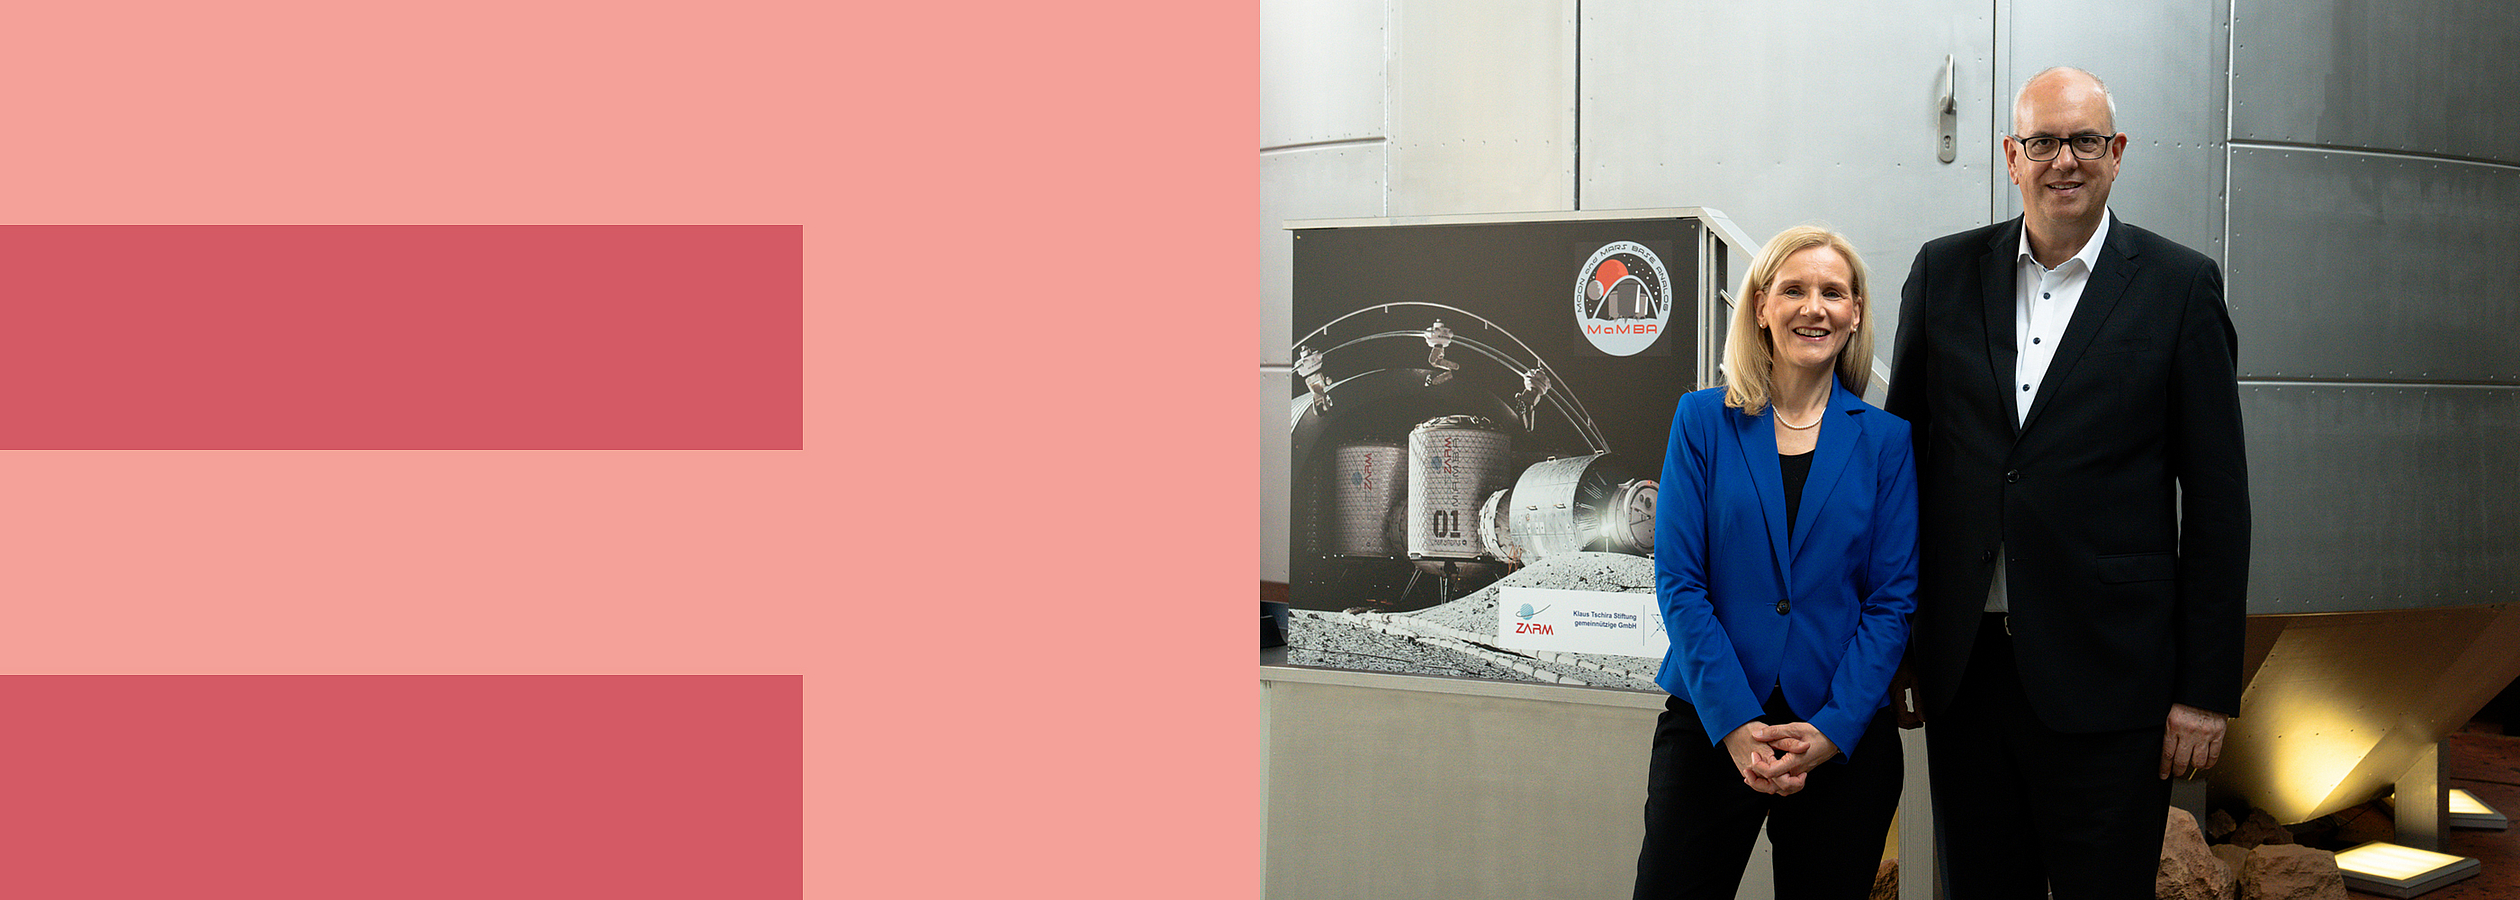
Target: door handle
[[1949, 112]]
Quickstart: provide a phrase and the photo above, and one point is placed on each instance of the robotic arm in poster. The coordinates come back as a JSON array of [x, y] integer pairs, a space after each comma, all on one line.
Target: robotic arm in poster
[[1478, 417]]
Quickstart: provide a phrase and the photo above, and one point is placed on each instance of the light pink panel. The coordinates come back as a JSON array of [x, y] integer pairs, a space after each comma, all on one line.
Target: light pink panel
[[1011, 563]]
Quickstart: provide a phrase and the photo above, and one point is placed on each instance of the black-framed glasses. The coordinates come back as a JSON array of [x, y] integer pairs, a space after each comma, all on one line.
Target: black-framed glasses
[[2086, 146]]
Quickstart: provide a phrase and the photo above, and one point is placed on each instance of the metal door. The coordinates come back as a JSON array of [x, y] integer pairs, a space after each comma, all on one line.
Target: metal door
[[1876, 119]]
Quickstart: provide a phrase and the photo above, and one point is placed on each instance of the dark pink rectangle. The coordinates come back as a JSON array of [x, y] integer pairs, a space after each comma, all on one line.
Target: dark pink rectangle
[[376, 337], [319, 787]]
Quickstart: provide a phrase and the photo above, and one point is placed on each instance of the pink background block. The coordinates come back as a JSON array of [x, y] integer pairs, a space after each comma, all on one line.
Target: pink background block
[[387, 337], [389, 787]]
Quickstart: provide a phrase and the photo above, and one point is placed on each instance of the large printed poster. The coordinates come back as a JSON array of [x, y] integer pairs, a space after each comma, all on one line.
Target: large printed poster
[[1478, 417]]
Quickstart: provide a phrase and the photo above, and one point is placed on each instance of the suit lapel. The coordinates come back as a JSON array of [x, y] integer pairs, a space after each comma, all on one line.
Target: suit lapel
[[1997, 272], [1828, 461], [1757, 437], [2100, 297]]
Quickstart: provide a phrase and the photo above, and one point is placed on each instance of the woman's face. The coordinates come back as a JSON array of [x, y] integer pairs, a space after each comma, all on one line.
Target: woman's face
[[1811, 308]]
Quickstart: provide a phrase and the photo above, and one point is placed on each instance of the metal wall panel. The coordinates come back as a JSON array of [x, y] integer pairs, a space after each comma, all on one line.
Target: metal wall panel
[[2164, 62], [2369, 497], [1735, 107], [2373, 267], [1337, 182], [1321, 71], [2422, 76], [1276, 480], [1482, 106], [1341, 181]]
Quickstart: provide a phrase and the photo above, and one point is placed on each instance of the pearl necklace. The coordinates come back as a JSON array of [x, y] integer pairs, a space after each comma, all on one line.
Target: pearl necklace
[[1815, 419]]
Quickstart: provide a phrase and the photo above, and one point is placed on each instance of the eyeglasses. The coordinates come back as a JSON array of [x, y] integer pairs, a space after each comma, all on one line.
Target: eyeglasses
[[2086, 146]]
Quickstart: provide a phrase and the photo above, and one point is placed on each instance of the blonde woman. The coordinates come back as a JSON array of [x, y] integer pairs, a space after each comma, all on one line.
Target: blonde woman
[[1785, 560]]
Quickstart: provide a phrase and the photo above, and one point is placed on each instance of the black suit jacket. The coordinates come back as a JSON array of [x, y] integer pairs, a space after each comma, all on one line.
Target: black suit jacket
[[2121, 504]]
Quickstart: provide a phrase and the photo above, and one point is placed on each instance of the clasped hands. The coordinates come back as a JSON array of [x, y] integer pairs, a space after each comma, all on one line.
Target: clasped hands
[[1777, 759]]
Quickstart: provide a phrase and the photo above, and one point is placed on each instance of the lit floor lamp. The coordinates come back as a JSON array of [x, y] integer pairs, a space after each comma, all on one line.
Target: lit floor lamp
[[2391, 870], [2468, 812]]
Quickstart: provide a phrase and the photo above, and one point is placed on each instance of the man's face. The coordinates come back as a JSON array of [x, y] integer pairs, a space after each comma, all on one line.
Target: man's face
[[2065, 194]]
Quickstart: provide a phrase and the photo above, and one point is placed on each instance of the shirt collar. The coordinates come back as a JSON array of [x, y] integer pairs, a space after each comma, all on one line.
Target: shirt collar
[[2089, 254]]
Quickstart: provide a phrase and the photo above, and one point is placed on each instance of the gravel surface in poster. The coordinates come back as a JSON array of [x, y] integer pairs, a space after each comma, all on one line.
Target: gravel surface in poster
[[1458, 638]]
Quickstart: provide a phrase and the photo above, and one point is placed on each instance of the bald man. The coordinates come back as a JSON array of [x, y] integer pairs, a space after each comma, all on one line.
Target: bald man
[[2084, 513]]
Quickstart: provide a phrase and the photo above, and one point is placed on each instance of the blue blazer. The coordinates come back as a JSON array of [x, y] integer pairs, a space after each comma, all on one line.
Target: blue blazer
[[1823, 612]]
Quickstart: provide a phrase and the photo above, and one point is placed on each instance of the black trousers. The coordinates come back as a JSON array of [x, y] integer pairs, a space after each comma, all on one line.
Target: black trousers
[[1701, 821], [2024, 809]]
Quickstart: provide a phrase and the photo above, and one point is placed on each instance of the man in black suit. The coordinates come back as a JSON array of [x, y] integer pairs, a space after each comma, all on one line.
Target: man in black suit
[[2084, 515]]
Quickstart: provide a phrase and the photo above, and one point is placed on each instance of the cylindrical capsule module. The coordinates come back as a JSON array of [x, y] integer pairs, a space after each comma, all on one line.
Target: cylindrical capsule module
[[1455, 462]]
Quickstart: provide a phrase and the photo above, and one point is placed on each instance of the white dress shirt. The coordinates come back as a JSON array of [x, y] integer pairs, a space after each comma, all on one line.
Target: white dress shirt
[[2043, 301]]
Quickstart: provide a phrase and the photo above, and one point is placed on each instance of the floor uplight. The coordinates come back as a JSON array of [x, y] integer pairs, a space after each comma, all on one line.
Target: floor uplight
[[2394, 871], [2468, 812]]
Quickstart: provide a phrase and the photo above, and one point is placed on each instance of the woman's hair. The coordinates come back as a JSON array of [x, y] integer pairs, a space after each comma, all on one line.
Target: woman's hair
[[1748, 356]]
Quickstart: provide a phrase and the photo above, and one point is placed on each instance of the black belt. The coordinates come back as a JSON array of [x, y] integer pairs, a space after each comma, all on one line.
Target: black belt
[[2000, 622]]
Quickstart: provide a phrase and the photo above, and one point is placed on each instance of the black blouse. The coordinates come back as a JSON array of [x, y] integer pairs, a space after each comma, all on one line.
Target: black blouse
[[1797, 468]]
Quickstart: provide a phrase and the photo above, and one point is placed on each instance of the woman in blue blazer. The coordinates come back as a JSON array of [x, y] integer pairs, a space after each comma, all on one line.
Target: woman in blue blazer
[[1785, 562]]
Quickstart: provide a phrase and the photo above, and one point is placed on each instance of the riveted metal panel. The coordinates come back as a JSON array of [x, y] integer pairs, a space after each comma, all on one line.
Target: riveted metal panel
[[1321, 71], [1335, 182], [1779, 119], [2377, 497], [1339, 181], [2164, 62], [2373, 267], [2422, 76], [1482, 106]]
